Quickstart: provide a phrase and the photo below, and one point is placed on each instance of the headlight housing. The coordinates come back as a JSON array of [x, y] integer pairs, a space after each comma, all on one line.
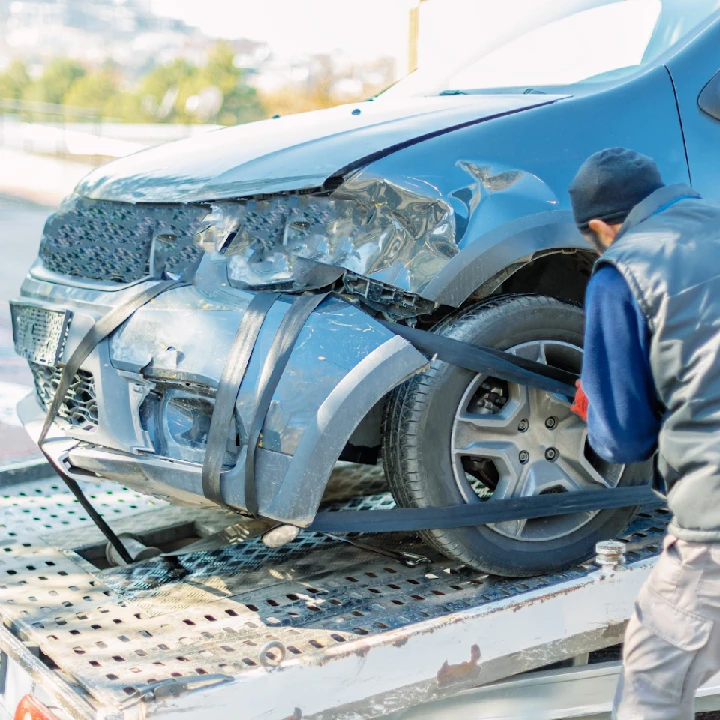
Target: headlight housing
[[293, 242]]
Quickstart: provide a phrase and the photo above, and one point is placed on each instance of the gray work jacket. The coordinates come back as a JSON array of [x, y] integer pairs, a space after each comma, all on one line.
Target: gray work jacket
[[668, 251]]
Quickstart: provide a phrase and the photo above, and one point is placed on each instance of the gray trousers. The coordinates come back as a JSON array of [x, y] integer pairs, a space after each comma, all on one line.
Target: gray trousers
[[672, 643]]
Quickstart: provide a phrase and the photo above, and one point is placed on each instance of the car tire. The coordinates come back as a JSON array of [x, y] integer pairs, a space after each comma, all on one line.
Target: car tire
[[419, 429]]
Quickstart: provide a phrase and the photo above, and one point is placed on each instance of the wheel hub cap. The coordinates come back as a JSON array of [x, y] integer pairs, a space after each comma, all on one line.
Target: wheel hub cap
[[526, 442]]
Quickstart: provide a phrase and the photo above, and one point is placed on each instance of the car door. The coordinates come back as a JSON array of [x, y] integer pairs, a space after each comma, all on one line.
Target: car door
[[696, 75]]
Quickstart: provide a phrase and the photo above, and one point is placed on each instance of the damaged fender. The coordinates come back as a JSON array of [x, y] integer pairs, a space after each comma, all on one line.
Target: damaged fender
[[172, 352]]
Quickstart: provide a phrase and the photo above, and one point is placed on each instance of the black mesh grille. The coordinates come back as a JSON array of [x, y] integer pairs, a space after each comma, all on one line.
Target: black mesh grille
[[80, 406], [113, 242]]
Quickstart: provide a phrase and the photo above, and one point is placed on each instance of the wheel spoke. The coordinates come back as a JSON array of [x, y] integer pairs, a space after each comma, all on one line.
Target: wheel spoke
[[571, 447], [530, 351], [510, 485], [473, 427], [472, 439]]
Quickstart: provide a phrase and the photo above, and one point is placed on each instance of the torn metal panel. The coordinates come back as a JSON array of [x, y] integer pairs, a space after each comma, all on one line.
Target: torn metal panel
[[291, 153], [382, 230], [400, 231]]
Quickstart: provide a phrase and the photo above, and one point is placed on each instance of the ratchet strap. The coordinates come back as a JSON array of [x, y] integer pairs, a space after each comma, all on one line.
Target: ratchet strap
[[93, 514], [275, 363], [97, 333], [484, 513], [478, 359], [488, 361], [227, 392], [506, 366]]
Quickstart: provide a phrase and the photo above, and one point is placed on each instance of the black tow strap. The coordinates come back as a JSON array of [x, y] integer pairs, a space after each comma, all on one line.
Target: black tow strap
[[230, 381], [484, 513], [97, 333], [275, 363], [488, 361], [505, 366]]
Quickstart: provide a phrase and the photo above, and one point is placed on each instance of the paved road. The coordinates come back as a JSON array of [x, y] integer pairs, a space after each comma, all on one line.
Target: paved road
[[20, 230], [21, 225]]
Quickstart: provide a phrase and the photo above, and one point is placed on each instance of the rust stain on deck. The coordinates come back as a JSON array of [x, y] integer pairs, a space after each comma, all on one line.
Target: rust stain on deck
[[461, 672]]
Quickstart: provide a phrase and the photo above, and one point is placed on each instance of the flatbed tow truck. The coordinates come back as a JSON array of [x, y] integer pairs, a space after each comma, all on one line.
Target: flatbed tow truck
[[319, 628]]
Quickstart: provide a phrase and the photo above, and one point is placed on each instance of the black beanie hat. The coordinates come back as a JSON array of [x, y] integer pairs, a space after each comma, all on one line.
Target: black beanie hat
[[610, 183]]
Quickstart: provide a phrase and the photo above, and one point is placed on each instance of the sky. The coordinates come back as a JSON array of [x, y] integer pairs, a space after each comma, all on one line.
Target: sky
[[364, 30]]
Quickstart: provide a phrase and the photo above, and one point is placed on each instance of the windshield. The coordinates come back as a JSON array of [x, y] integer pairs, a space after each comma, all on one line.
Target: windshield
[[545, 43]]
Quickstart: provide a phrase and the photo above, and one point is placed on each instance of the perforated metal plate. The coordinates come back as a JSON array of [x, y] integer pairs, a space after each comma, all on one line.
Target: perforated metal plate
[[39, 334], [117, 630]]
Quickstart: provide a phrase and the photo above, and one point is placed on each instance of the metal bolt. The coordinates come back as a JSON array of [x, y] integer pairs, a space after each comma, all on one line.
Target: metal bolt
[[524, 456], [550, 423], [523, 425], [551, 454], [610, 554]]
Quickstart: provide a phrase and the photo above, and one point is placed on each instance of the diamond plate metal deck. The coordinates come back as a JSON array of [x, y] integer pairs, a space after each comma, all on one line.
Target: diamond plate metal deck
[[115, 631]]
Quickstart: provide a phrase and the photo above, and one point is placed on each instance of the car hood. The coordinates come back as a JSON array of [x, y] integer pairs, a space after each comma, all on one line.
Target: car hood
[[290, 153]]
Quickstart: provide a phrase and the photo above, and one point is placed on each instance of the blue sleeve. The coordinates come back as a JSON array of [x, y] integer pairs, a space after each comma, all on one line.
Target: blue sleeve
[[623, 423]]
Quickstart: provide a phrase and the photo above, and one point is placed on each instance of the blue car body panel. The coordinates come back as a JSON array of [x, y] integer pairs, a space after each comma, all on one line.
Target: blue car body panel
[[498, 165]]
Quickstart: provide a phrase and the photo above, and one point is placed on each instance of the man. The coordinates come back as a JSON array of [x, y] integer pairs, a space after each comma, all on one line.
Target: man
[[651, 382]]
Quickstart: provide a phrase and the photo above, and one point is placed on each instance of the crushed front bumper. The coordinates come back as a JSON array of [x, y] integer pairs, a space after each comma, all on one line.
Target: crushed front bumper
[[154, 382]]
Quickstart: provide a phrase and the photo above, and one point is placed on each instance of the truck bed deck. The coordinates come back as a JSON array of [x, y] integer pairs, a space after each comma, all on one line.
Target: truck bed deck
[[315, 629]]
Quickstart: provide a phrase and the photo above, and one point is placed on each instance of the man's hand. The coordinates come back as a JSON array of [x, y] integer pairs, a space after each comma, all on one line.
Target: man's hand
[[580, 404]]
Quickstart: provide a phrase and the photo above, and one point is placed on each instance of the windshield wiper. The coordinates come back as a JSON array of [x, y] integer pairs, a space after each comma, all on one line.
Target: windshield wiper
[[453, 92]]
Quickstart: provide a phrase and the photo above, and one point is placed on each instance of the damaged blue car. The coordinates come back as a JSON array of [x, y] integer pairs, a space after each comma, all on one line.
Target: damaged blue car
[[441, 205]]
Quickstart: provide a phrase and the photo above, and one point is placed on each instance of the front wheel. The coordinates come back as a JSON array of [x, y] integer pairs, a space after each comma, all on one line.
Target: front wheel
[[452, 436]]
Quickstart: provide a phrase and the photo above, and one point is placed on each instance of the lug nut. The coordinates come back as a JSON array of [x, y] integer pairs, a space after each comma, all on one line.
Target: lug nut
[[523, 425], [551, 454], [524, 456], [550, 423]]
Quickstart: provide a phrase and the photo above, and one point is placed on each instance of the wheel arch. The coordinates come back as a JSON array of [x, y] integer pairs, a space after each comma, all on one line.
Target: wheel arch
[[515, 257]]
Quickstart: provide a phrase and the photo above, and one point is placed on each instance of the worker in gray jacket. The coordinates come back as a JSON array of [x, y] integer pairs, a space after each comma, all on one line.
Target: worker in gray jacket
[[653, 303]]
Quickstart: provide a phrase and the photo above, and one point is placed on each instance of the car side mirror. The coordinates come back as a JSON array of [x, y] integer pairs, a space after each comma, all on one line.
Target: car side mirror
[[709, 98]]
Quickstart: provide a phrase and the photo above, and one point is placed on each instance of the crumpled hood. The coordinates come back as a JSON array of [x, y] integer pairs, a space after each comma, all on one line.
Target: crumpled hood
[[291, 153]]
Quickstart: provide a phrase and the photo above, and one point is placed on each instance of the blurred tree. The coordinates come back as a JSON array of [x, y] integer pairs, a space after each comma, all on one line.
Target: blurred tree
[[94, 90], [160, 89], [13, 80], [291, 100], [102, 90], [55, 82], [215, 91], [319, 92], [240, 102]]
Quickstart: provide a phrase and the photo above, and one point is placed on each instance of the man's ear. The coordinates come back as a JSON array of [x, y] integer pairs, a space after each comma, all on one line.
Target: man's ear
[[605, 233]]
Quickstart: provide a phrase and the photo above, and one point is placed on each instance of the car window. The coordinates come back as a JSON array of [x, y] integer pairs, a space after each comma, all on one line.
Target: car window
[[567, 51], [532, 44]]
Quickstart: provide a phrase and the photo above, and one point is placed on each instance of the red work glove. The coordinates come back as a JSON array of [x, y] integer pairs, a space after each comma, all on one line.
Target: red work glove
[[580, 404]]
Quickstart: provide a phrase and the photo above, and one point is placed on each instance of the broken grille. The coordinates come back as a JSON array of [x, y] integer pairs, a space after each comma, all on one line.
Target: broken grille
[[121, 242], [79, 408]]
